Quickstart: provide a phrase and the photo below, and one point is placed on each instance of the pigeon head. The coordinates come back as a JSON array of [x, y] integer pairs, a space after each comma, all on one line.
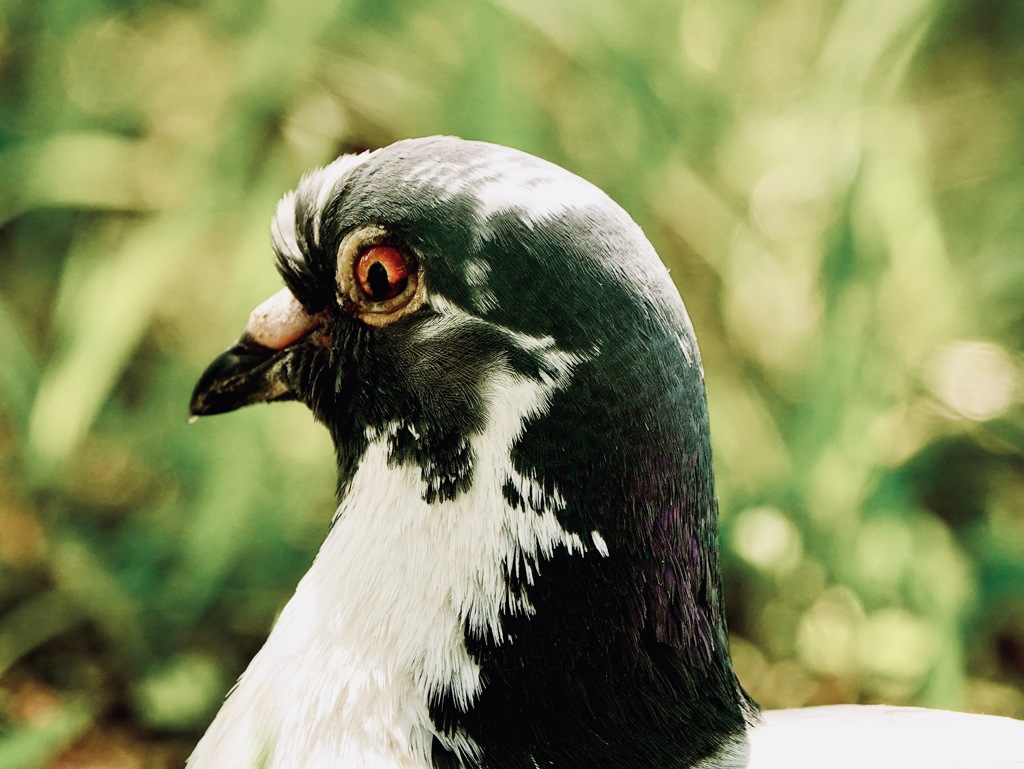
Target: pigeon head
[[522, 570]]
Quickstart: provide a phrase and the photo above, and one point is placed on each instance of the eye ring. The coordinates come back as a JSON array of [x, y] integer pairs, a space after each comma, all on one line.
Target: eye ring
[[378, 276]]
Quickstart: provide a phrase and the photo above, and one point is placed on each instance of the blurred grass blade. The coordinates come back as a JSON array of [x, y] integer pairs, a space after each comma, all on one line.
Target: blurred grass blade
[[32, 747], [113, 305], [81, 170], [19, 367], [691, 209], [81, 571], [850, 57], [33, 623], [228, 509]]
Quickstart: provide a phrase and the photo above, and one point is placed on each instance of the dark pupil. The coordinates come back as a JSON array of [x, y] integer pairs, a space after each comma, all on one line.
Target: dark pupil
[[379, 282]]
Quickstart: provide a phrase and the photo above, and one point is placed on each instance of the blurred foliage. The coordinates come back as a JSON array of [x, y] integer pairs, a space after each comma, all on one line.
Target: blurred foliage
[[837, 185]]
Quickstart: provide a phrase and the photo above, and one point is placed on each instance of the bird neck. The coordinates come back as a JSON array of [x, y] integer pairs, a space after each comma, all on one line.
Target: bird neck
[[559, 605]]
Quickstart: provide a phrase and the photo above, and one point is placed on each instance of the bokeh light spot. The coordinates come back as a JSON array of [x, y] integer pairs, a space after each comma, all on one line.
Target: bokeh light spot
[[977, 379], [767, 539]]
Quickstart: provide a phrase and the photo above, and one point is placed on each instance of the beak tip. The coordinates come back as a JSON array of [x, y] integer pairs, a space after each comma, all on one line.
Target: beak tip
[[198, 405], [245, 374]]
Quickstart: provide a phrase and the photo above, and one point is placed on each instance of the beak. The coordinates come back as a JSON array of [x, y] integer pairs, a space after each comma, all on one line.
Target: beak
[[257, 368]]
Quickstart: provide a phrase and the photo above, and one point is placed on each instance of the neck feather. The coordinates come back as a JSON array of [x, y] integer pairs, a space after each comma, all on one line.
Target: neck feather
[[523, 621]]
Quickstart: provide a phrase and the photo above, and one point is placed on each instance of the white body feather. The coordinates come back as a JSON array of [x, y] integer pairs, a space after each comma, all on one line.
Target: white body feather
[[881, 737]]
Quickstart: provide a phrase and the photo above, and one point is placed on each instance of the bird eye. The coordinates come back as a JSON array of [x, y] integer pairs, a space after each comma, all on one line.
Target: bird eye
[[378, 276], [381, 273]]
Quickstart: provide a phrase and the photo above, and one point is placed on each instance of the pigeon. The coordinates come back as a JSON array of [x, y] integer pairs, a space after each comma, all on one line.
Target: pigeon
[[523, 567]]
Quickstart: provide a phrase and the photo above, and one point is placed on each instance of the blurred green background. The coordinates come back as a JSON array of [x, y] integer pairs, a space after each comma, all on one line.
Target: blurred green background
[[837, 185]]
